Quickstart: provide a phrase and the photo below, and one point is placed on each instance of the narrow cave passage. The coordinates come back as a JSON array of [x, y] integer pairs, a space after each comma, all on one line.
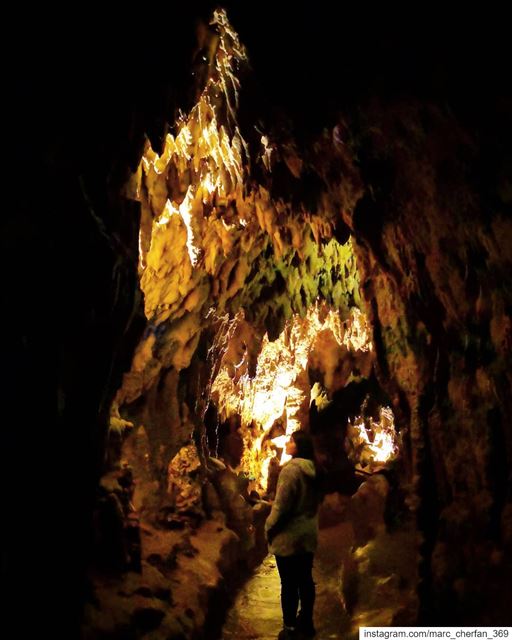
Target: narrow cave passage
[[256, 612], [255, 327]]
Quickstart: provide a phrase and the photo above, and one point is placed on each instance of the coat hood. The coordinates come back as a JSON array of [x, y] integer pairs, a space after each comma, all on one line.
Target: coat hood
[[306, 466]]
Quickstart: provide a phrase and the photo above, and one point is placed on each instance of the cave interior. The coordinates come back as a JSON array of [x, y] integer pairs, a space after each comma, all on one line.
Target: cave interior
[[230, 223]]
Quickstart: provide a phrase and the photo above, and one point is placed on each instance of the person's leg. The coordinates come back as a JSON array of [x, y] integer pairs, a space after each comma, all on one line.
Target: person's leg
[[287, 567], [306, 593]]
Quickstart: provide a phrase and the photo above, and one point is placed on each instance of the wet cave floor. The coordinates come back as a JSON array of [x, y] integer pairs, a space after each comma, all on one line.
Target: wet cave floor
[[256, 611]]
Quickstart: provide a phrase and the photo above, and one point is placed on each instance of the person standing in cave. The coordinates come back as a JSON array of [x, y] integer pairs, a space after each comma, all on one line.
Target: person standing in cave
[[292, 534]]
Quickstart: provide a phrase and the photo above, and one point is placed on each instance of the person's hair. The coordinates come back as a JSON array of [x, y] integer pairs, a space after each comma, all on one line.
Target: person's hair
[[306, 449], [304, 443]]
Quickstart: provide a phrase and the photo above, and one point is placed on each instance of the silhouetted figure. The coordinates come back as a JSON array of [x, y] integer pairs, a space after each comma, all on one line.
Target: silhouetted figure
[[292, 534]]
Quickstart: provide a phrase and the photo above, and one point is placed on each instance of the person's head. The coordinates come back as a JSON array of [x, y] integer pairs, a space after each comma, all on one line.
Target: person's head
[[300, 445]]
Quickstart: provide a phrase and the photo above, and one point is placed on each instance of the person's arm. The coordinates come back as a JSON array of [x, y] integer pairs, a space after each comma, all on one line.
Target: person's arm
[[284, 502]]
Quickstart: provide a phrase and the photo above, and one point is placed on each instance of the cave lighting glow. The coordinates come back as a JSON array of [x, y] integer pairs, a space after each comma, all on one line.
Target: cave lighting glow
[[280, 391]]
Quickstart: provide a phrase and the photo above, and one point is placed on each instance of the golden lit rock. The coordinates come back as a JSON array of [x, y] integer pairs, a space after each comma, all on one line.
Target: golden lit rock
[[280, 392], [184, 486], [372, 444], [211, 239]]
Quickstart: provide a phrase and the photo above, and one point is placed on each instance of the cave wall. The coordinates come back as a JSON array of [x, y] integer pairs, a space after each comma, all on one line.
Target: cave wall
[[434, 245], [76, 120]]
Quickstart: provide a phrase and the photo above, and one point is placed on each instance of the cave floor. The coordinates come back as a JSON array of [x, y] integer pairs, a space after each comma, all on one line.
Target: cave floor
[[256, 611]]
